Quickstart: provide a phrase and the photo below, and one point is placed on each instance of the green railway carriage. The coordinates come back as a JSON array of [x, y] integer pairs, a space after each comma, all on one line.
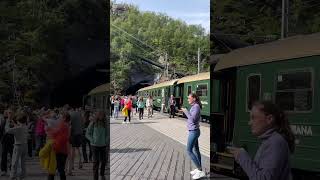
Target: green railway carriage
[[97, 98], [199, 84], [286, 72], [160, 93]]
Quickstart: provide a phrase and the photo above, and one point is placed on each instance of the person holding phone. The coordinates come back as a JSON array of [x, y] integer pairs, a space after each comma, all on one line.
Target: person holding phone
[[194, 133], [272, 160]]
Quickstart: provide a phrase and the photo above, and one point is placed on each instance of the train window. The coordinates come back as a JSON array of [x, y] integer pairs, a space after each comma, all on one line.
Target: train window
[[294, 91], [189, 90], [202, 90], [253, 89]]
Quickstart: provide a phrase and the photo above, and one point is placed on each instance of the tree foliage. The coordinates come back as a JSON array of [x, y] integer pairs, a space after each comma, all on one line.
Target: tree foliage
[[35, 34], [257, 21], [164, 34]]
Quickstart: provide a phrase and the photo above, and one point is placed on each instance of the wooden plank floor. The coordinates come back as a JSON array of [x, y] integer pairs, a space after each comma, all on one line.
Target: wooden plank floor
[[146, 149], [140, 152]]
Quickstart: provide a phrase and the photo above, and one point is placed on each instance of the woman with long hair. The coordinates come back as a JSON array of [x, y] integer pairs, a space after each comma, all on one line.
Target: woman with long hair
[[97, 134], [272, 160], [194, 134]]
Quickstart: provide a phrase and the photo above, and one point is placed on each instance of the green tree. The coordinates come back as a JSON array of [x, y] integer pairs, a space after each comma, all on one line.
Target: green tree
[[164, 34]]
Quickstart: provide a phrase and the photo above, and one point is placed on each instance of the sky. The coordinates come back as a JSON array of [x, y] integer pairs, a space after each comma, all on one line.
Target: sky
[[190, 11]]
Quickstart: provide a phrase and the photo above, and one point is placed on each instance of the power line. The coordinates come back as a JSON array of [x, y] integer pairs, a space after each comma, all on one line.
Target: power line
[[308, 6], [137, 45], [151, 47], [130, 35]]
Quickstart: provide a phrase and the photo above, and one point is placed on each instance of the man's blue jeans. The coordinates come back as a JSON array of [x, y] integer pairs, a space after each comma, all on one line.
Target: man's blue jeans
[[193, 144]]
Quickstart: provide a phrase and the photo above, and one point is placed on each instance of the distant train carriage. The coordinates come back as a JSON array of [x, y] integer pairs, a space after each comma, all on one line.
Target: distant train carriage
[[160, 93], [97, 98], [286, 72]]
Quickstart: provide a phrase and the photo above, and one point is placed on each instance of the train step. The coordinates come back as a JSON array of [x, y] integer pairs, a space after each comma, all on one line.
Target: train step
[[222, 166], [224, 154], [179, 114], [223, 160]]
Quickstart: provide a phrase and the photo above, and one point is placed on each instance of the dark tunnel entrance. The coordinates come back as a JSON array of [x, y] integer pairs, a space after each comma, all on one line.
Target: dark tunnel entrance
[[132, 90], [72, 90]]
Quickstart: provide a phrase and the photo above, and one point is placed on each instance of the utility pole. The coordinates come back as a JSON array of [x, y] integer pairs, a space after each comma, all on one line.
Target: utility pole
[[198, 60], [167, 66], [15, 94], [284, 21]]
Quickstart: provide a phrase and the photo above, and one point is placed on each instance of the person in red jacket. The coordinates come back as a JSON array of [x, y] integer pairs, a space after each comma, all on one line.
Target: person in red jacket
[[60, 136], [128, 105]]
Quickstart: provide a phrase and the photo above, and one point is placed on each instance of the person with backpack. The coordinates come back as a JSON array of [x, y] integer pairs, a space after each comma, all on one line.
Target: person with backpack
[[98, 137]]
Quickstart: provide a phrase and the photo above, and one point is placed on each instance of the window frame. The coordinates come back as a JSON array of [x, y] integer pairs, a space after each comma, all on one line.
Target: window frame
[[247, 88], [293, 70], [207, 84], [188, 89]]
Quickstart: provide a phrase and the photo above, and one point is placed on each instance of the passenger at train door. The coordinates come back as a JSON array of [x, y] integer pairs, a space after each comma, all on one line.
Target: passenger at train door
[[172, 105], [272, 159]]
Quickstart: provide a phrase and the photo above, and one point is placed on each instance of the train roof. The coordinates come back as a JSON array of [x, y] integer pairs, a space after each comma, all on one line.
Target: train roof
[[163, 84], [197, 77], [288, 48], [100, 89]]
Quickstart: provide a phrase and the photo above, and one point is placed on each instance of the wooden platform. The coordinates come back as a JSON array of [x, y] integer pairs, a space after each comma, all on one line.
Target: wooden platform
[[154, 149]]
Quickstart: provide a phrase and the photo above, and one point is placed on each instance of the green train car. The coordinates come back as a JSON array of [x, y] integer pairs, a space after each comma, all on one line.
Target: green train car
[[97, 98], [160, 93], [286, 72], [180, 89], [199, 84]]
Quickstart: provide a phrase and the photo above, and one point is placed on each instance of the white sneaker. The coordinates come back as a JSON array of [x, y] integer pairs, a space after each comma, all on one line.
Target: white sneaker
[[199, 175], [128, 122], [194, 171], [123, 122]]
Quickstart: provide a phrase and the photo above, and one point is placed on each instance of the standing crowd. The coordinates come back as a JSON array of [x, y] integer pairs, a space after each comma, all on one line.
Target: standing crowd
[[57, 136], [128, 104]]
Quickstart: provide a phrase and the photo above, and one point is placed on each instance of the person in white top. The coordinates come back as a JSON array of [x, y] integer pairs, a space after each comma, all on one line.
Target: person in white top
[[149, 105], [20, 133]]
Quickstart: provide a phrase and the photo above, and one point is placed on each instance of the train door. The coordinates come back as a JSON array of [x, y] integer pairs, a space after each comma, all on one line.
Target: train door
[[222, 122], [179, 95]]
